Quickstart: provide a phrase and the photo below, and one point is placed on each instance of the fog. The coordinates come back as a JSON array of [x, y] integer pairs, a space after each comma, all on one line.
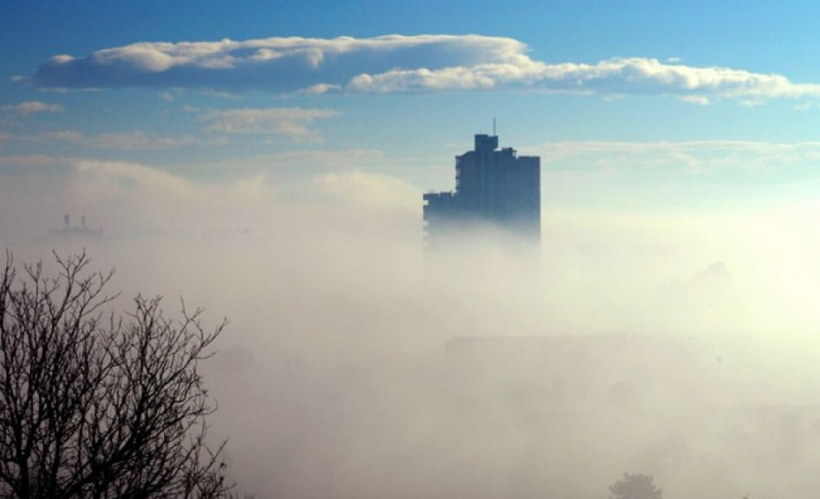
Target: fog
[[356, 366]]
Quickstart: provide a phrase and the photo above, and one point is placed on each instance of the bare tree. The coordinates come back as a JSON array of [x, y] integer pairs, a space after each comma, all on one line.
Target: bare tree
[[97, 404], [635, 486]]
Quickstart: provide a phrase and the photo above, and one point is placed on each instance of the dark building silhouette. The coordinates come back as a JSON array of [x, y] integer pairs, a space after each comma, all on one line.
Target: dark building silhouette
[[494, 187]]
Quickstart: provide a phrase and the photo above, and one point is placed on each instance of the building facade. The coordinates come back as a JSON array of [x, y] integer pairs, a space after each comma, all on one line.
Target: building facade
[[495, 188]]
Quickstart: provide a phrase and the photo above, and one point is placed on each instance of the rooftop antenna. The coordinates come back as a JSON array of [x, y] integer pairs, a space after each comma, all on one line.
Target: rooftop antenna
[[493, 126]]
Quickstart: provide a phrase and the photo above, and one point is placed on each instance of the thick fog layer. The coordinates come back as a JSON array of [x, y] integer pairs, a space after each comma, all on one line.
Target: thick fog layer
[[356, 366]]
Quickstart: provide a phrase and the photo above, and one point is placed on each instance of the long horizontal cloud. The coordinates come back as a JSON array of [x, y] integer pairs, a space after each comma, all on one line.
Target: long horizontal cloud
[[136, 140], [614, 76], [390, 64], [288, 121], [275, 64], [747, 161], [29, 107]]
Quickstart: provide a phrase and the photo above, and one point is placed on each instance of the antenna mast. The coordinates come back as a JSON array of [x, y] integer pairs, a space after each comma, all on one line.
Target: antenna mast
[[493, 126]]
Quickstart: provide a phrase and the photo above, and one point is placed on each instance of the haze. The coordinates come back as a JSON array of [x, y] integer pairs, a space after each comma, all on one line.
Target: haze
[[267, 162]]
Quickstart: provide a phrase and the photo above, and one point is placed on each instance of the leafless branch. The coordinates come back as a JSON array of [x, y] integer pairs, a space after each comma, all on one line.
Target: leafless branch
[[94, 404]]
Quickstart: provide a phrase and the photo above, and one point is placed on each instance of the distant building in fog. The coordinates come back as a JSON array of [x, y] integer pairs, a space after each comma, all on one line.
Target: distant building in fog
[[75, 231], [494, 187]]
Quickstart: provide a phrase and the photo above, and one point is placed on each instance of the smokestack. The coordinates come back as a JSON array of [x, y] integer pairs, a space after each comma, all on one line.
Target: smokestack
[[82, 220], [67, 220]]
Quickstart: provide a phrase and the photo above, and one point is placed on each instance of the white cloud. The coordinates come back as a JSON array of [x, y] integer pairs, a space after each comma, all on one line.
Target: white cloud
[[613, 76], [275, 64], [292, 122], [175, 93], [29, 107], [696, 99], [397, 63], [31, 160], [136, 140], [690, 157]]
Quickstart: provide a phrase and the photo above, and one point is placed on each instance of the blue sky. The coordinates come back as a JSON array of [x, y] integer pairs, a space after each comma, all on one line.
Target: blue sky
[[634, 106]]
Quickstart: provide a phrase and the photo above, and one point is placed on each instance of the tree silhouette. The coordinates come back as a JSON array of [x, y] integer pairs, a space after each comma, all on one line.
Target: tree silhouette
[[635, 486], [96, 404]]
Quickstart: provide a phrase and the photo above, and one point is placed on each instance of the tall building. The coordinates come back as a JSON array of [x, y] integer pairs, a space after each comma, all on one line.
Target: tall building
[[494, 187]]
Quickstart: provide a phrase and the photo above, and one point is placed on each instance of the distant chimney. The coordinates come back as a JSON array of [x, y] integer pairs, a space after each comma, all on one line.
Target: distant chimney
[[67, 220], [82, 220]]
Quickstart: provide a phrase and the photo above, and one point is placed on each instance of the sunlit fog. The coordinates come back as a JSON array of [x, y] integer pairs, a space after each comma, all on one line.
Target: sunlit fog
[[358, 364]]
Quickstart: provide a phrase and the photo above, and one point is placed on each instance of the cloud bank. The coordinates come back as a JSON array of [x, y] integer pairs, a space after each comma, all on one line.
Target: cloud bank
[[396, 64]]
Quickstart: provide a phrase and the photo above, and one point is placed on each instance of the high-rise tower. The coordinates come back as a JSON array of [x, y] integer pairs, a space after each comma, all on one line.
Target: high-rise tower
[[494, 187]]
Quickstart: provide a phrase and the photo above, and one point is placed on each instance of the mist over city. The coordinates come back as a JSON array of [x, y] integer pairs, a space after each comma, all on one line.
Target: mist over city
[[464, 251]]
